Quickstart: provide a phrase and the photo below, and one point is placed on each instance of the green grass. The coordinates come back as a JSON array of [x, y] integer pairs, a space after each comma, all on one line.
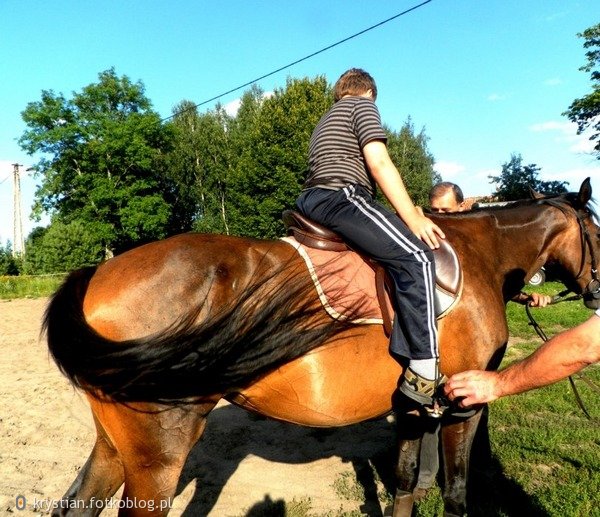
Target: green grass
[[28, 286]]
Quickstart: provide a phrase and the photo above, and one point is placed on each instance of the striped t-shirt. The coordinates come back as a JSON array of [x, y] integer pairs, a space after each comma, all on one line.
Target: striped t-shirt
[[335, 157]]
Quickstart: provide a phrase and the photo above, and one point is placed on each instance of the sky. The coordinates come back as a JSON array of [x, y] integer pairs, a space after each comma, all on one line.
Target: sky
[[484, 79]]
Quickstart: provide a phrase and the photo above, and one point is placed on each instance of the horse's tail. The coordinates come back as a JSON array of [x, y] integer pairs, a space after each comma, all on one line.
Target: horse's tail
[[263, 329]]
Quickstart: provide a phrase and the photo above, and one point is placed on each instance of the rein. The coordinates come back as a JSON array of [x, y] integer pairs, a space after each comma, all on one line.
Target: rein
[[539, 331]]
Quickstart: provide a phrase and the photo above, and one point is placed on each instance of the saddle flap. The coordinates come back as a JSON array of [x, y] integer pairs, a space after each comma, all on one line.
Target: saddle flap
[[447, 268]]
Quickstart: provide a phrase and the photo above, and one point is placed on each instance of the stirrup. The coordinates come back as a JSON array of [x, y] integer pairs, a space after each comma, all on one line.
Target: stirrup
[[425, 392]]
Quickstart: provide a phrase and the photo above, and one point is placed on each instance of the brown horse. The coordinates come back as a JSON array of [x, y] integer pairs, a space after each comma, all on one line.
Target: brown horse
[[158, 335]]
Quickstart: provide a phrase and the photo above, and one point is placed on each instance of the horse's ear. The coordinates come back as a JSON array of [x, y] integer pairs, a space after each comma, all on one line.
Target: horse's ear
[[534, 194], [585, 192]]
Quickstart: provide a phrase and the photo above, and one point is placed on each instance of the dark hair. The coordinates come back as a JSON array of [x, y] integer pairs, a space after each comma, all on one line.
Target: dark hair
[[439, 189], [354, 82]]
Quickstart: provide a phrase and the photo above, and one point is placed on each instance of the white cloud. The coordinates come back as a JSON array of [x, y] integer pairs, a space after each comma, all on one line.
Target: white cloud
[[495, 97], [566, 133], [574, 176], [554, 81], [448, 170], [552, 125], [231, 108]]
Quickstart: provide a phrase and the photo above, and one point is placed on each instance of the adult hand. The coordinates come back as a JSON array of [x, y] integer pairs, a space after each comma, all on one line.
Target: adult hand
[[539, 300], [472, 387]]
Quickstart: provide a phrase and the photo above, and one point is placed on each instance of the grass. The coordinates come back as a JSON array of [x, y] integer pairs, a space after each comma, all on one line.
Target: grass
[[28, 286]]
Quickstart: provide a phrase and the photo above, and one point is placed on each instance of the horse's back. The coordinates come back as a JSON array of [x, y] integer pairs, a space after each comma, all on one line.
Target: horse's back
[[147, 289]]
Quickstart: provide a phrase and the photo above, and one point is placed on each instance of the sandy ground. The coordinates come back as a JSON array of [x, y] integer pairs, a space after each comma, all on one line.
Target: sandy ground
[[242, 466]]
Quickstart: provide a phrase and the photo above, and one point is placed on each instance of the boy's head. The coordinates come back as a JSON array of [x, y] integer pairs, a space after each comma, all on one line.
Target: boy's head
[[354, 82]]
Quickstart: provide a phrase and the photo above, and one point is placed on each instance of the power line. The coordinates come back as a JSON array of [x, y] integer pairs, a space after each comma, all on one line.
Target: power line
[[414, 8]]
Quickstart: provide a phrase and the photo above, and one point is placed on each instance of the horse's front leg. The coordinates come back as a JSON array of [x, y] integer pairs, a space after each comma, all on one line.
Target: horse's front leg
[[457, 438], [411, 428]]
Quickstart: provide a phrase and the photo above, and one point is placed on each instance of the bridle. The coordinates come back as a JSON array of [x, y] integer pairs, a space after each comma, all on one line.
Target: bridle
[[591, 291]]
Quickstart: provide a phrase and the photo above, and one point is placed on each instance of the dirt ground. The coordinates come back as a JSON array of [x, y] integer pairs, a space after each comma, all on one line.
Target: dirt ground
[[242, 466]]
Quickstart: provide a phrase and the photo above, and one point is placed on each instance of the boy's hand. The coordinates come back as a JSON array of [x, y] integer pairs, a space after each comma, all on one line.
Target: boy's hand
[[426, 230]]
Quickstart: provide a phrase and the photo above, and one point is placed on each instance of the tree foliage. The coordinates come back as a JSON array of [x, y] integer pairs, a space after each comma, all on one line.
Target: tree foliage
[[198, 166], [273, 154], [585, 111], [516, 179], [113, 174], [101, 155], [61, 247], [9, 265], [408, 150]]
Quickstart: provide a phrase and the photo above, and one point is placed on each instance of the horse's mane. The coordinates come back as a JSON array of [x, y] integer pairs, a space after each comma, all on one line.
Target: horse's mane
[[561, 201]]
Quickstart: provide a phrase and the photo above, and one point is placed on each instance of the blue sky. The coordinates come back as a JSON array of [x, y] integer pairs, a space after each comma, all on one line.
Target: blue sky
[[484, 78]]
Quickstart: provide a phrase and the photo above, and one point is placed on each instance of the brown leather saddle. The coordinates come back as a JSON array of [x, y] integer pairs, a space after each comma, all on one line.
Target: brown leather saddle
[[313, 235]]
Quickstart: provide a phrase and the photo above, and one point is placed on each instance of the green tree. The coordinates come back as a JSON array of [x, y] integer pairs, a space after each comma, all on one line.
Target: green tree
[[411, 156], [272, 142], [101, 160], [9, 265], [60, 248], [199, 165], [516, 179], [585, 111]]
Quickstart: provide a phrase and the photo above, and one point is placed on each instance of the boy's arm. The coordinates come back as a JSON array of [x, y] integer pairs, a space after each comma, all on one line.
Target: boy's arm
[[390, 182]]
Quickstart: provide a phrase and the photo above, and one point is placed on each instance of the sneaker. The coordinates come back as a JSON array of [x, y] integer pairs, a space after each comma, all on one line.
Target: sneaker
[[426, 392]]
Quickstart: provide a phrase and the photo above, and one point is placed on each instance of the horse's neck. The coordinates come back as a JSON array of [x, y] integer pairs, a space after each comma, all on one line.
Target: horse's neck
[[525, 235], [509, 240]]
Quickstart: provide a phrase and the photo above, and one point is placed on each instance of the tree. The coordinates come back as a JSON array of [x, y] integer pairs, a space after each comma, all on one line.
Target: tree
[[102, 154], [60, 248], [516, 179], [585, 112], [413, 160], [271, 140], [9, 265], [199, 165]]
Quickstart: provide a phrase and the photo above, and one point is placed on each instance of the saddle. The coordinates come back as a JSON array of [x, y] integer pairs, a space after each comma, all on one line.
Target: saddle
[[447, 266]]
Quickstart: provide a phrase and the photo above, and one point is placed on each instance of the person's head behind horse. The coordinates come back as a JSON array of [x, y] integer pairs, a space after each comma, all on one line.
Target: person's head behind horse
[[446, 197]]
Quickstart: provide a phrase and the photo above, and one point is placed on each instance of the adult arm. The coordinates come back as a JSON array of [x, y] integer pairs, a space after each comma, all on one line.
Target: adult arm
[[561, 356], [390, 182]]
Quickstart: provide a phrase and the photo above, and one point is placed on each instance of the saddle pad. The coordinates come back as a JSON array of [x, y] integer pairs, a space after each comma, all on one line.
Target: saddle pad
[[345, 284]]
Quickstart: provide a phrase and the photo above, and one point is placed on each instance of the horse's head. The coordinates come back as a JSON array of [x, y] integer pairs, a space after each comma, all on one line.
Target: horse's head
[[579, 254]]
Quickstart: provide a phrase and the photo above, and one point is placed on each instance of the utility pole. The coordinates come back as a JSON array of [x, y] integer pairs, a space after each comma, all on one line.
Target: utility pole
[[18, 244]]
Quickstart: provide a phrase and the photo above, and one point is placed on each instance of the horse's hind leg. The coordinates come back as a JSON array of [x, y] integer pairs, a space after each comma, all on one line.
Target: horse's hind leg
[[457, 439], [99, 478], [153, 448]]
